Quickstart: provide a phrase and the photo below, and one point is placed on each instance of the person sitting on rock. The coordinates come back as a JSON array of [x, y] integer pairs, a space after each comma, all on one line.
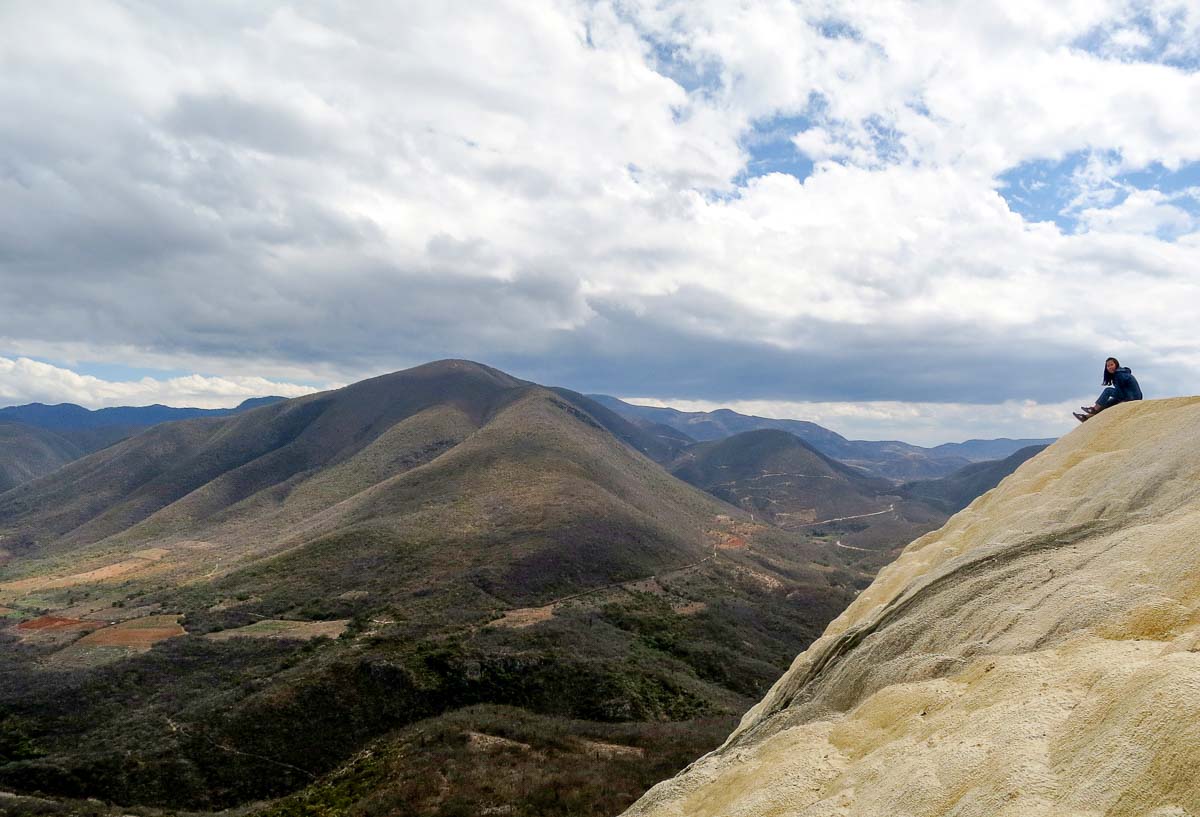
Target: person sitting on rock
[[1121, 386]]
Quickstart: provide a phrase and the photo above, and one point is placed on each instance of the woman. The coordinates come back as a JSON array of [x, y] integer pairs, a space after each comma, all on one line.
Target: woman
[[1121, 387]]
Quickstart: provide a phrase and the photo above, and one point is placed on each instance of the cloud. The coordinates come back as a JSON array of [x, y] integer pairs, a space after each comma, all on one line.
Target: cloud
[[1146, 212], [315, 194], [29, 381]]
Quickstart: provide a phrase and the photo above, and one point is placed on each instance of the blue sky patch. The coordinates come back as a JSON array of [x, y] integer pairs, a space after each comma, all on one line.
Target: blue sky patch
[[1046, 189], [1043, 189], [1174, 183], [837, 30], [117, 372], [672, 62], [770, 148], [1140, 39]]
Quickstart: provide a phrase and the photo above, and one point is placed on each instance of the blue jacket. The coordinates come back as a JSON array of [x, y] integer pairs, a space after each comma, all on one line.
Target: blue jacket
[[1126, 384]]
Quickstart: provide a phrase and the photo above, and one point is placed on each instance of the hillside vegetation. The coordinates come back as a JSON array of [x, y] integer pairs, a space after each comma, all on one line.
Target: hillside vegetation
[[36, 439], [27, 452], [188, 607]]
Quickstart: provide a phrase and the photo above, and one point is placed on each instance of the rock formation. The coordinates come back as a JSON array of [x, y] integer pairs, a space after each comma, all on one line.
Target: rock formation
[[1038, 655]]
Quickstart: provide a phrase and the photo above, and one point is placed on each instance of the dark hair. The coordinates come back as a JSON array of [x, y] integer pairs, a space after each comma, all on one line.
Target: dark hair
[[1108, 378]]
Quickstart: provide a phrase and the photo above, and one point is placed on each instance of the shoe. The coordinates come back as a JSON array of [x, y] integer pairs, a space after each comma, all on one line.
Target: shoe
[[1080, 417], [1090, 410]]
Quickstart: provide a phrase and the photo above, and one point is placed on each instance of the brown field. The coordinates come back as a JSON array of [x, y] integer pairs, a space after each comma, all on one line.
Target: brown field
[[690, 608], [484, 743], [136, 562], [601, 749], [111, 615], [282, 628], [140, 633], [733, 543], [196, 544], [57, 623], [524, 617]]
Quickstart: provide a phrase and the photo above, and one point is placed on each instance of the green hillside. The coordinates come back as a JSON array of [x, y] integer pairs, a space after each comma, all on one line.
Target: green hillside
[[27, 452], [778, 478], [356, 562]]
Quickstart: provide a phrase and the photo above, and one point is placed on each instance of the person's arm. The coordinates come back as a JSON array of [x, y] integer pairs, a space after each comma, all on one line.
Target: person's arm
[[1126, 386]]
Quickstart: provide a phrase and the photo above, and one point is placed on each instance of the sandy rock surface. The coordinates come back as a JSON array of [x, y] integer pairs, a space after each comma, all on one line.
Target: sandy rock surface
[[1038, 655]]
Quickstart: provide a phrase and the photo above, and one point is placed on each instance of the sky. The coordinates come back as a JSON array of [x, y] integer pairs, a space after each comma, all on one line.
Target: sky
[[925, 221]]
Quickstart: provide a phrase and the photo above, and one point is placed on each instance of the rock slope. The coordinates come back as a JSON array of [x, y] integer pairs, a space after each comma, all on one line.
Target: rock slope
[[1038, 655]]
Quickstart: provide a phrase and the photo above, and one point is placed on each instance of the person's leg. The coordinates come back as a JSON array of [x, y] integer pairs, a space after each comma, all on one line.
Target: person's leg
[[1108, 397]]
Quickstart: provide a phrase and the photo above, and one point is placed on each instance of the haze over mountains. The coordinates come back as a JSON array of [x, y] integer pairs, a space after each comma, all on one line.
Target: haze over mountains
[[895, 460], [70, 417]]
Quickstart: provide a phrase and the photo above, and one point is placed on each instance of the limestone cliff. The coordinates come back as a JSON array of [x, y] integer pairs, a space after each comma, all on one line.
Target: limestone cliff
[[1038, 655]]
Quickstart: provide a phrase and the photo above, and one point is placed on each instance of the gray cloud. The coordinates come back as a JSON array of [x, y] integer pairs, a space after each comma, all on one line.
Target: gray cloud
[[228, 119], [271, 189]]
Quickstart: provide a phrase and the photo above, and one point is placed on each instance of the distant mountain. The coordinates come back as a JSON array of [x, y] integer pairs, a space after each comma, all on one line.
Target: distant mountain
[[476, 540], [39, 438], [891, 459], [755, 470], [780, 479], [705, 426], [65, 416], [958, 490], [984, 450]]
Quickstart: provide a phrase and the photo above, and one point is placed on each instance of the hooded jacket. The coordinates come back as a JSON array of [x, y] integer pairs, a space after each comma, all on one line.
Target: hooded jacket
[[1126, 384]]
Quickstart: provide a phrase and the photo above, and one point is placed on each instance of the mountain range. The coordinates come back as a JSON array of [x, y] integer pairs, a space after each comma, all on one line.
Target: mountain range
[[354, 561], [891, 459], [448, 555], [36, 439]]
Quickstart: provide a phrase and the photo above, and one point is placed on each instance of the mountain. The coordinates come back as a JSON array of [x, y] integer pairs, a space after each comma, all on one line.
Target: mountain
[[35, 439], [754, 469], [780, 479], [891, 459], [65, 416], [27, 452], [1035, 656], [954, 492], [984, 450], [415, 554], [706, 426]]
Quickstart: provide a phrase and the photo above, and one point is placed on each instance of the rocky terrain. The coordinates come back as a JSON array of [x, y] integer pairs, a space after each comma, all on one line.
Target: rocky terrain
[[1035, 656]]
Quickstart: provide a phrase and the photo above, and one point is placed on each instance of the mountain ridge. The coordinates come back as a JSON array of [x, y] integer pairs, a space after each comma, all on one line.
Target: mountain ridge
[[60, 416], [892, 459], [458, 536]]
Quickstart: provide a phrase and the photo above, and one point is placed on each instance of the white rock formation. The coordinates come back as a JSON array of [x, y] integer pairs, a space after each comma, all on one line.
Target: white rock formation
[[1038, 655]]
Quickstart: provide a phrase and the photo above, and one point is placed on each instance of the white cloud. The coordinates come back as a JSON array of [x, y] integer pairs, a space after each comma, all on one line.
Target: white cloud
[[316, 193], [1146, 212], [30, 381]]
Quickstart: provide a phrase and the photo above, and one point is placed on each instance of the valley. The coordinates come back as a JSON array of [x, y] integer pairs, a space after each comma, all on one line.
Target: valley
[[447, 555]]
